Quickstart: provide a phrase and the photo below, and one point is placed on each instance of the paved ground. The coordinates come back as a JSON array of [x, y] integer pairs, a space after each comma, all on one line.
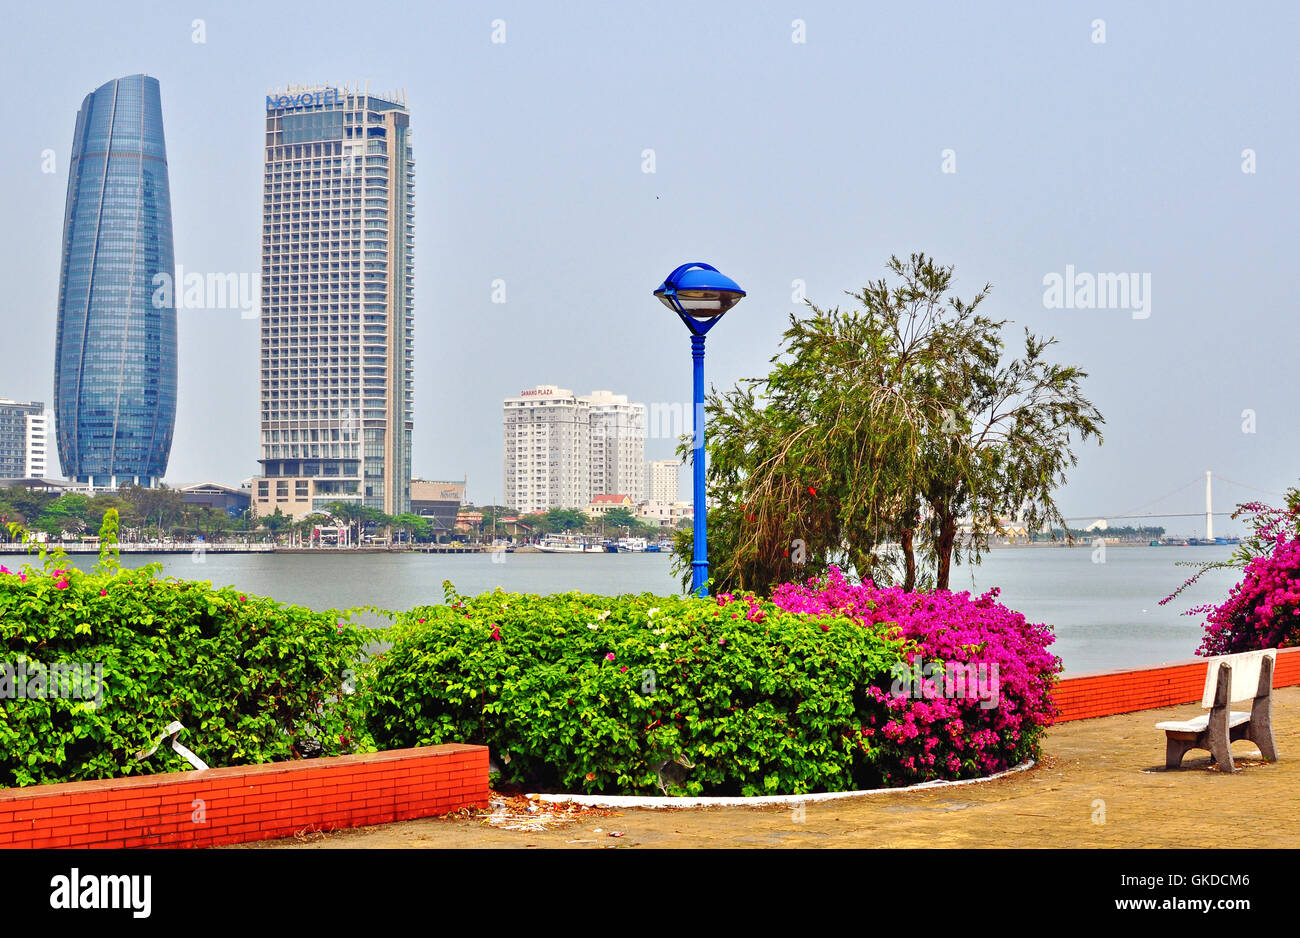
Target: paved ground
[[1101, 783]]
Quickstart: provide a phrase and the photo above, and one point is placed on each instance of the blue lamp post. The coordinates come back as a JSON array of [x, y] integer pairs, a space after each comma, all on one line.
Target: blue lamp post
[[699, 295]]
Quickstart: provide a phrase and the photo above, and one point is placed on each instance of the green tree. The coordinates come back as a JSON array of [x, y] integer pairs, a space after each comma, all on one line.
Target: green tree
[[275, 523], [24, 505], [412, 525], [99, 506], [893, 423], [158, 508], [620, 518], [65, 514], [348, 514], [566, 519], [492, 515], [537, 523]]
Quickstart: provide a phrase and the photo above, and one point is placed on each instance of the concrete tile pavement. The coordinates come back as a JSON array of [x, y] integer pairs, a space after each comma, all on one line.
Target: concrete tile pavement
[[1101, 783]]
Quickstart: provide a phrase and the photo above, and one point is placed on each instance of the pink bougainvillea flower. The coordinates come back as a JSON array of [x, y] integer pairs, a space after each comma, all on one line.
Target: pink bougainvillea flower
[[61, 585], [922, 729], [623, 669], [610, 656], [103, 592], [722, 641], [1260, 611], [496, 633]]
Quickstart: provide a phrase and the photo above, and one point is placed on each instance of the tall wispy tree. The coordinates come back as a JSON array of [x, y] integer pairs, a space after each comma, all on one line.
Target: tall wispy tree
[[894, 422]]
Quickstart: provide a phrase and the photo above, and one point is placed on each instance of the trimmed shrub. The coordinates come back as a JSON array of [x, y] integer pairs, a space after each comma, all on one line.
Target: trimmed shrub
[[637, 694], [251, 680]]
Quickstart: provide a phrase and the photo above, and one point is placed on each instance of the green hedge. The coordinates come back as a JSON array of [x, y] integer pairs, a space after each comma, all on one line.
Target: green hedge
[[636, 694], [252, 680]]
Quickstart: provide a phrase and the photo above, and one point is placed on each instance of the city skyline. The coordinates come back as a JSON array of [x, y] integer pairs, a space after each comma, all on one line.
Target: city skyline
[[1128, 156]]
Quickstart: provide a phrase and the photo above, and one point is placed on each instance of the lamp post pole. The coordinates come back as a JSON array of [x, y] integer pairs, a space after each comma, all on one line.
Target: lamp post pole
[[700, 561], [699, 295]]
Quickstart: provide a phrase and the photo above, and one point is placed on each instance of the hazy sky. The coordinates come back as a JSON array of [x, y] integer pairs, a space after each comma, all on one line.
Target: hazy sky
[[774, 160]]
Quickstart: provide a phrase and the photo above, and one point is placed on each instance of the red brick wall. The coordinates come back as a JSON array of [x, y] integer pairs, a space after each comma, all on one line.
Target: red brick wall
[[1109, 692], [243, 803]]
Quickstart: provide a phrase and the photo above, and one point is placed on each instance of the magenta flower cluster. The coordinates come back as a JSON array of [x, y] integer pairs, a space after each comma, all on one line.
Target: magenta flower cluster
[[1263, 610], [935, 734]]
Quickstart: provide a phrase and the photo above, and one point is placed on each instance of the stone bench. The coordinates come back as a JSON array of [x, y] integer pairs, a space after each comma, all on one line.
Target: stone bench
[[1243, 677]]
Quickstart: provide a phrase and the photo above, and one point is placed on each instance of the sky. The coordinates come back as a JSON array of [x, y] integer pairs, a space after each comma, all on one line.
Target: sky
[[792, 143]]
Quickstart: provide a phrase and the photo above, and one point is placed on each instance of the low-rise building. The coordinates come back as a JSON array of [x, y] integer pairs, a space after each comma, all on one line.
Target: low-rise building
[[233, 501], [601, 504], [666, 514], [439, 502]]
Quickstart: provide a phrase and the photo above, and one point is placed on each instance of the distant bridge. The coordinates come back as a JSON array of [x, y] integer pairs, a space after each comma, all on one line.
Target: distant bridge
[[1209, 514]]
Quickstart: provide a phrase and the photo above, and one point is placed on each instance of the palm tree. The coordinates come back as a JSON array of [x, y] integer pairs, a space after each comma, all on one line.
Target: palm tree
[[351, 514]]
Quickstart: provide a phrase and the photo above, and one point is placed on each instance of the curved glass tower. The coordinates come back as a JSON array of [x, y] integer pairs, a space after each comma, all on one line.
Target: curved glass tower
[[115, 359]]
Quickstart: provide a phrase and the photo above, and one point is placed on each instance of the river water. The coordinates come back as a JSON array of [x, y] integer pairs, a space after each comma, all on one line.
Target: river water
[[1105, 615]]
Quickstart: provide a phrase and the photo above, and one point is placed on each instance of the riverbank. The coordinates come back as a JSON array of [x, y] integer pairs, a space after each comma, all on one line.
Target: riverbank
[[217, 547]]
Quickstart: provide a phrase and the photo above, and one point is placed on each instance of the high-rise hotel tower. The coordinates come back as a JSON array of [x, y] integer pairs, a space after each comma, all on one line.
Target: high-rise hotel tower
[[115, 354], [338, 302]]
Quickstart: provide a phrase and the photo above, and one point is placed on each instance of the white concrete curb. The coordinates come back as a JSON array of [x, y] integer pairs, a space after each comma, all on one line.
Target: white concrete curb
[[637, 801]]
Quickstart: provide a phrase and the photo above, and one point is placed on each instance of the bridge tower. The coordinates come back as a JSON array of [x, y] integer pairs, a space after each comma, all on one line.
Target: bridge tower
[[1209, 509]]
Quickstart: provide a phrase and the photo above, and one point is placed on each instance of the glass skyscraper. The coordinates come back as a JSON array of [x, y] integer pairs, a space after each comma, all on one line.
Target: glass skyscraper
[[338, 302], [115, 360]]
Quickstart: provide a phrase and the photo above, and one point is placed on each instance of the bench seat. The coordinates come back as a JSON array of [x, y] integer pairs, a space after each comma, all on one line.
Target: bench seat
[[1198, 724]]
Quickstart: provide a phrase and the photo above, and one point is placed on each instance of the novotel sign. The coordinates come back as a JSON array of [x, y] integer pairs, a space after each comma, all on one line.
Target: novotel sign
[[303, 99]]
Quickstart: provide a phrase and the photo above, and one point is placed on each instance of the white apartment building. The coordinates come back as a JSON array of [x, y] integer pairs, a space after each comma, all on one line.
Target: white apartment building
[[561, 449], [24, 439], [617, 446], [36, 455], [547, 449], [663, 480], [338, 305]]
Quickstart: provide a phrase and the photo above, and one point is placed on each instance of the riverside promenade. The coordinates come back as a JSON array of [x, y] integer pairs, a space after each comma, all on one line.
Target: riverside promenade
[[1101, 783]]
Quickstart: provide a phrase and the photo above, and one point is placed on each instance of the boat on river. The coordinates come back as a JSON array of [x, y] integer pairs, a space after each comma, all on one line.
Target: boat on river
[[569, 544]]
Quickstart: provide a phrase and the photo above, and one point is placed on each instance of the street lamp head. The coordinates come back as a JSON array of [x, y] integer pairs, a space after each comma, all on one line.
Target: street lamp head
[[699, 291]]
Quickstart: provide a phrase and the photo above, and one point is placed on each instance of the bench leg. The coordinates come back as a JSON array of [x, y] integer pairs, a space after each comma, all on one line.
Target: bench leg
[[1175, 749], [1260, 728], [1220, 746], [1262, 736]]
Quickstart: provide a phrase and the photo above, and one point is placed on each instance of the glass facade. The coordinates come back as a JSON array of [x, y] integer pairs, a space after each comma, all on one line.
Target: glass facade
[[115, 359]]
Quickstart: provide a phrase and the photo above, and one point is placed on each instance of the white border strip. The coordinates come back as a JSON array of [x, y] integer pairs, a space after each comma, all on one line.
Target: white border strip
[[637, 801]]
